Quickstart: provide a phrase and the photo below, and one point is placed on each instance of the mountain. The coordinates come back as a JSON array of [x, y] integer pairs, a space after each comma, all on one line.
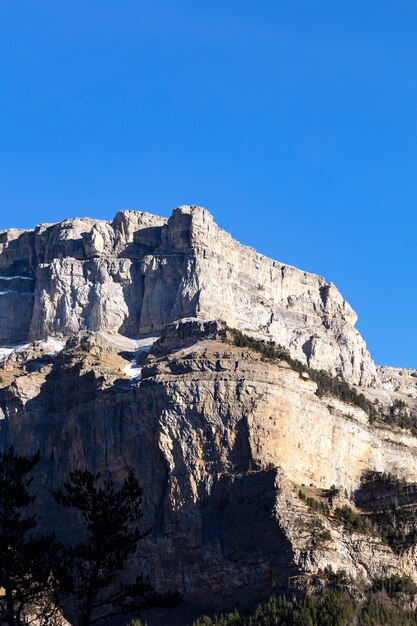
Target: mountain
[[268, 444]]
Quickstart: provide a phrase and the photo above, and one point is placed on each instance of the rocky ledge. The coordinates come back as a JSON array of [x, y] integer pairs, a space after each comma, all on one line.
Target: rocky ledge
[[139, 272], [262, 464]]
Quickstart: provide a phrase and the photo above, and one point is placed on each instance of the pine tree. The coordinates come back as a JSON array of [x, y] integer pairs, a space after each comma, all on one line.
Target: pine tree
[[110, 517], [28, 562]]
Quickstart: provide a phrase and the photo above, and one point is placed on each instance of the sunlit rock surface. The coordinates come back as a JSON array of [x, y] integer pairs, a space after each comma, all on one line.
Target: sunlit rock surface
[[139, 272], [114, 355]]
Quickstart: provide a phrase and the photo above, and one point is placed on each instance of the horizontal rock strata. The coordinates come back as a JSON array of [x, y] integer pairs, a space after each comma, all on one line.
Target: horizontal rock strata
[[222, 440], [139, 272], [115, 354]]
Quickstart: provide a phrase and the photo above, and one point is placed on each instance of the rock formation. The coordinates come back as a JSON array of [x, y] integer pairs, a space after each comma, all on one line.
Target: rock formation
[[127, 362], [139, 272]]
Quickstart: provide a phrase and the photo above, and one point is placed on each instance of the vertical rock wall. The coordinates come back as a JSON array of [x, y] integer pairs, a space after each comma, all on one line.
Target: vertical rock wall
[[139, 272]]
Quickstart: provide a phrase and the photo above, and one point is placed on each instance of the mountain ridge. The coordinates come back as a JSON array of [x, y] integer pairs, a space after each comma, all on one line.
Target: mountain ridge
[[251, 473], [138, 272]]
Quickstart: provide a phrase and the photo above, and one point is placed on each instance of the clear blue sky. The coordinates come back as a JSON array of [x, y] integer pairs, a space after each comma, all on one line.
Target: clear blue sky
[[294, 122]]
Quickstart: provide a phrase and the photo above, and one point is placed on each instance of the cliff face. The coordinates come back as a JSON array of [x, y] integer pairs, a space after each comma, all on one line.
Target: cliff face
[[221, 438], [139, 272]]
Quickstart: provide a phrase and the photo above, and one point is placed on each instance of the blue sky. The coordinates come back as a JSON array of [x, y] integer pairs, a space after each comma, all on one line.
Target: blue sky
[[294, 122]]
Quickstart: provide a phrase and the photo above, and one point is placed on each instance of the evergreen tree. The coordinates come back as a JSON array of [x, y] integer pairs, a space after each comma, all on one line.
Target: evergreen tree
[[110, 517], [28, 562]]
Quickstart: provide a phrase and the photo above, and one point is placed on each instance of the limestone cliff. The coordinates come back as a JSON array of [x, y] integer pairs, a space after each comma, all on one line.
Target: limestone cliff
[[126, 362], [139, 272]]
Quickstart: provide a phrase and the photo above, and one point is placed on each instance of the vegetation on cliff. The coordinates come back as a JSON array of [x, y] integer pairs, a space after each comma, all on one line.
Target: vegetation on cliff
[[388, 603], [30, 563], [314, 504], [398, 414], [390, 503], [39, 576], [326, 383], [110, 517], [385, 506]]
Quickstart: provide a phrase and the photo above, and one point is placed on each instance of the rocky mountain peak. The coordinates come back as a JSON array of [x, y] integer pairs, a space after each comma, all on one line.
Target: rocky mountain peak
[[268, 445], [139, 272]]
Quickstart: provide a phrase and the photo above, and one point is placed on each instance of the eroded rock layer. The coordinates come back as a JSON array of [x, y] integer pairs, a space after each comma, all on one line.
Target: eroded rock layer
[[126, 361], [222, 439], [139, 272]]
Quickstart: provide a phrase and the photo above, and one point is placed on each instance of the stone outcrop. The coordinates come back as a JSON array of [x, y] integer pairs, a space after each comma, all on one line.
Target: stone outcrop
[[127, 363], [139, 272], [397, 380], [221, 439]]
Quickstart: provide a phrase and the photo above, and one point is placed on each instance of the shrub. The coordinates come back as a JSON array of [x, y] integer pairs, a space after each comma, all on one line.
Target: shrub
[[395, 585], [353, 522], [399, 415], [326, 383], [315, 505], [327, 608]]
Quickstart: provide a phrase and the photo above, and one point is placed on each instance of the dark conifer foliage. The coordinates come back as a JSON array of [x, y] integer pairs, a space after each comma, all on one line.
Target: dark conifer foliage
[[110, 517], [29, 563], [326, 383], [327, 608]]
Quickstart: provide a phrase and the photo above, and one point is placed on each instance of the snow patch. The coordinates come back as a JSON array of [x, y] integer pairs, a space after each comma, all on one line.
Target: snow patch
[[6, 351], [13, 277], [133, 371], [51, 345], [142, 345]]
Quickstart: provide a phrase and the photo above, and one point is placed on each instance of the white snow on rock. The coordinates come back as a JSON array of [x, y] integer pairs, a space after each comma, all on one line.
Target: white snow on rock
[[133, 371], [6, 351], [50, 346], [13, 277], [141, 345]]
